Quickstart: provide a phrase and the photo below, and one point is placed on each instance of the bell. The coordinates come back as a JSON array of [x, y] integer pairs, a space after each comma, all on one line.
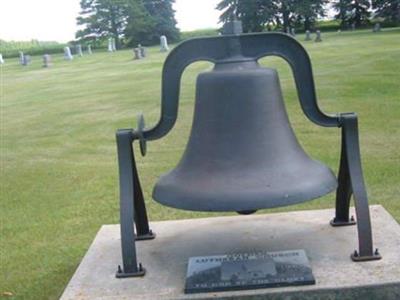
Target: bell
[[242, 153]]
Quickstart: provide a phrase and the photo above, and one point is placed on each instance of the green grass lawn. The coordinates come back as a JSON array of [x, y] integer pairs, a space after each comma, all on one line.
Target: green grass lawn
[[58, 157]]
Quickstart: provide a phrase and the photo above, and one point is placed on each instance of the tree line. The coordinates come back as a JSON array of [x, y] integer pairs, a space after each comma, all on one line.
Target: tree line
[[258, 15], [129, 22], [359, 12]]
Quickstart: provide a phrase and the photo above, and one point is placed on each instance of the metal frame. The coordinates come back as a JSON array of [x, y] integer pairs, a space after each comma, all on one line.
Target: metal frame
[[228, 48], [351, 182], [132, 206]]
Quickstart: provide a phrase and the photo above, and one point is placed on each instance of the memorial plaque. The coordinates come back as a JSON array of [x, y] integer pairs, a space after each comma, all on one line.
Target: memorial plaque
[[245, 271]]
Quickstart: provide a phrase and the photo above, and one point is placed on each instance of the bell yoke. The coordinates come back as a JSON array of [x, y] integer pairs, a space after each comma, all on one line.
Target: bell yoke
[[242, 154]]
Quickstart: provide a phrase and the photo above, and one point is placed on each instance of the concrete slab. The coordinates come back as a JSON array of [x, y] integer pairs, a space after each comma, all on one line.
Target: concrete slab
[[166, 257]]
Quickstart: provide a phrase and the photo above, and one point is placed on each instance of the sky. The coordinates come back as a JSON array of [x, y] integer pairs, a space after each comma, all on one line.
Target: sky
[[55, 20]]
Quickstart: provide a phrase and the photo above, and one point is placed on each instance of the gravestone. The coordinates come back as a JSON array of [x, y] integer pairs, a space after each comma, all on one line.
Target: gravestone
[[377, 27], [353, 26], [142, 51], [137, 53], [293, 32], [89, 49], [287, 31], [78, 50], [110, 45], [46, 61], [163, 44], [26, 60], [113, 45], [67, 54], [308, 35], [1, 59], [21, 58], [318, 37]]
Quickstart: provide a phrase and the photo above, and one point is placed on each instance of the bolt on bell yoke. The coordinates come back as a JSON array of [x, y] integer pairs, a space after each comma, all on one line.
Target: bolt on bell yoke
[[242, 154]]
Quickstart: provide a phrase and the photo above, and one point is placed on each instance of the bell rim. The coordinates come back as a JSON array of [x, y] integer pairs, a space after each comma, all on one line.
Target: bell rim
[[254, 204]]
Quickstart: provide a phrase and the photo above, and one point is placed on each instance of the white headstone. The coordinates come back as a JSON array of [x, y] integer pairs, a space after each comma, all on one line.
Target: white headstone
[[377, 27], [308, 35], [293, 32], [110, 45], [1, 59], [113, 45], [78, 50], [318, 37], [163, 44], [89, 49], [137, 53], [67, 54], [26, 60], [21, 58], [46, 61], [353, 26], [142, 51]]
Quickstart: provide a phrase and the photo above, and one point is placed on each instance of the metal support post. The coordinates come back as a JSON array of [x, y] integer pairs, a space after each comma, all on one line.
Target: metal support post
[[132, 207], [351, 181]]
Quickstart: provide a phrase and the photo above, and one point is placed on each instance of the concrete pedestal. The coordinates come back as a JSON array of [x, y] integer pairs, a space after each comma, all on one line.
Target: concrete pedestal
[[165, 258]]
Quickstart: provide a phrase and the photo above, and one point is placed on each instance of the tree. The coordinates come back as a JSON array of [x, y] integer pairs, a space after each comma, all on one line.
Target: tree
[[342, 7], [354, 12], [253, 14], [103, 18], [361, 11], [286, 9], [134, 21], [256, 14], [231, 8], [163, 18], [387, 9], [308, 11], [140, 26]]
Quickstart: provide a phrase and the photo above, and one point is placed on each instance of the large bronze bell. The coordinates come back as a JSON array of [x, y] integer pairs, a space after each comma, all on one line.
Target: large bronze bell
[[242, 154]]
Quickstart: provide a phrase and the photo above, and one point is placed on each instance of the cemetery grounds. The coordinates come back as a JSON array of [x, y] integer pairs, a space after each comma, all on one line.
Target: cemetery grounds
[[58, 156]]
